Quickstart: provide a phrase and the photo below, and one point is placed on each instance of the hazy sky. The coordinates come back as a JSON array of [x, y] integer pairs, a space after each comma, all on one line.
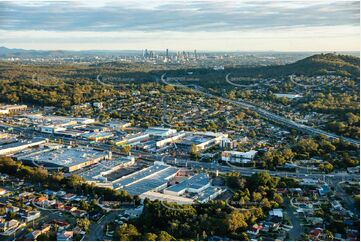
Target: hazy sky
[[227, 25]]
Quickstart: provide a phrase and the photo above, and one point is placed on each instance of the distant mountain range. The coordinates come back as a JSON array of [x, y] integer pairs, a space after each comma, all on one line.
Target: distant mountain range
[[7, 53]]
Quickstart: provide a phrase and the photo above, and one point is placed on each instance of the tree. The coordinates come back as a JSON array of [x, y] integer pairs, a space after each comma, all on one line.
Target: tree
[[194, 151], [288, 154], [75, 181], [240, 116], [127, 232], [58, 176], [327, 167], [12, 215], [168, 88], [2, 210], [150, 237], [327, 146], [84, 205], [83, 223], [234, 181], [263, 179], [212, 126], [257, 196], [40, 174], [235, 220], [164, 236], [277, 198], [252, 134], [126, 148]]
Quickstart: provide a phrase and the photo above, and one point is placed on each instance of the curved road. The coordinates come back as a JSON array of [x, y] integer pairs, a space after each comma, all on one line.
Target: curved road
[[269, 115]]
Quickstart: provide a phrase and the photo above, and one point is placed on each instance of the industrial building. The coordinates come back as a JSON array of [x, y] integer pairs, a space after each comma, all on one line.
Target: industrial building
[[51, 129], [238, 157], [99, 172], [98, 136], [20, 145], [171, 139], [209, 193], [10, 109], [153, 178], [196, 188], [132, 139], [67, 158], [160, 132], [166, 198], [195, 184], [202, 140], [53, 124], [118, 125]]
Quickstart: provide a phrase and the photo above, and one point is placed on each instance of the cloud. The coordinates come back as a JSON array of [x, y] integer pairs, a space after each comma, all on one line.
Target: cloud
[[182, 16], [181, 24], [298, 39]]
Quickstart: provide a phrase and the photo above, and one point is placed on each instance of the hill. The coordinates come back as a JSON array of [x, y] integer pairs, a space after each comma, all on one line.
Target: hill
[[320, 64]]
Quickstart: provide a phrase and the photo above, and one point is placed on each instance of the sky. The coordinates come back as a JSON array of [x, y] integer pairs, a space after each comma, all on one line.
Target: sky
[[209, 25]]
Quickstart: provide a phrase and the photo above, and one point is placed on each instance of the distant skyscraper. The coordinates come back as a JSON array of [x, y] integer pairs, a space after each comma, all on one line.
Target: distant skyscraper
[[145, 53], [195, 54]]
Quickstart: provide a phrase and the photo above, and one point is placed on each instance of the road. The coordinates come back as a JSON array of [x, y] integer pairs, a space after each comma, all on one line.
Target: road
[[296, 231], [96, 230], [248, 171], [346, 198], [267, 114]]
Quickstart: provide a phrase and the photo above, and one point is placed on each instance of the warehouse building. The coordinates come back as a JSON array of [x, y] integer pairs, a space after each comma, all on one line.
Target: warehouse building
[[153, 178], [118, 125], [197, 188], [132, 139], [195, 184], [98, 136], [67, 158], [12, 148], [171, 139], [166, 198], [209, 194], [202, 140], [160, 131], [99, 172]]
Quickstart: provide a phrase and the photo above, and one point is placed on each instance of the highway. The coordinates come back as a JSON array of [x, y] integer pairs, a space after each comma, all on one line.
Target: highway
[[267, 114]]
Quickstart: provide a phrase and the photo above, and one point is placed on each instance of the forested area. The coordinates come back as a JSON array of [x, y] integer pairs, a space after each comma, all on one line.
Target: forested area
[[335, 154]]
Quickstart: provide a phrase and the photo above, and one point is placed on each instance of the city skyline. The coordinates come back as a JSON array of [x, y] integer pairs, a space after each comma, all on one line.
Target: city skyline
[[177, 25]]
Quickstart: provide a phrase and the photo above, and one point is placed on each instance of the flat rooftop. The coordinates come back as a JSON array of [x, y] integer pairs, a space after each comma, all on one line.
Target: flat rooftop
[[208, 192], [138, 175], [95, 173], [195, 182], [67, 157], [160, 131], [194, 139], [150, 184], [19, 143], [146, 179]]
